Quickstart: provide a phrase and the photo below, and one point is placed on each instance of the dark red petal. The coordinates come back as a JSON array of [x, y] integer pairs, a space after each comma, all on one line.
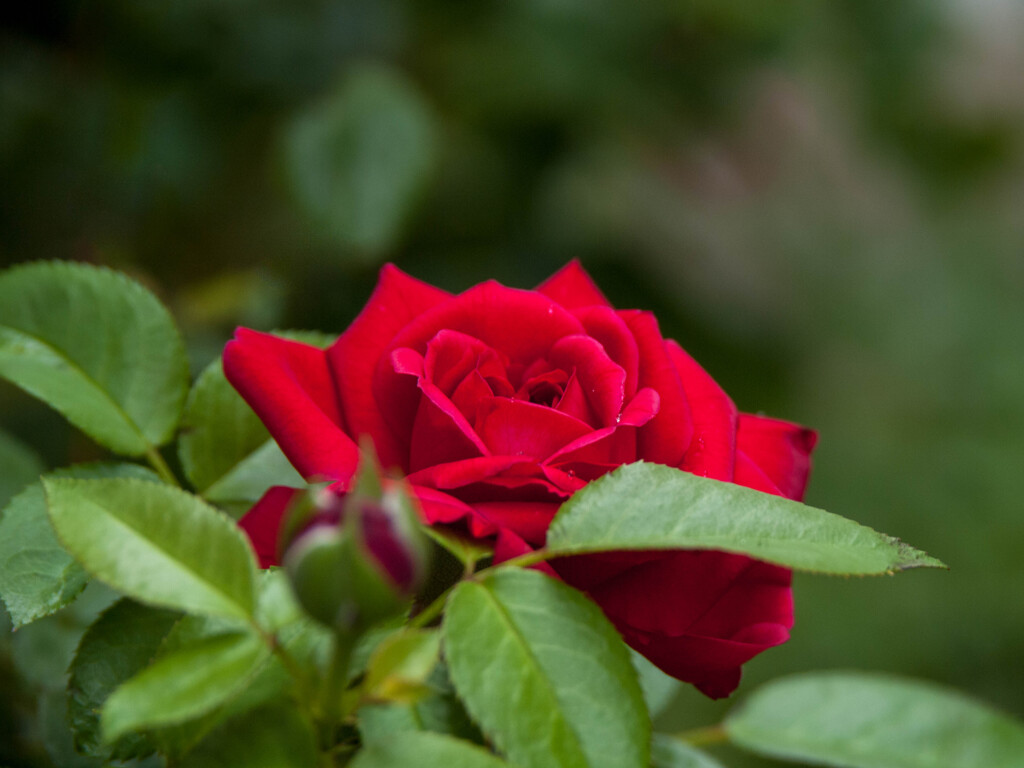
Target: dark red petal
[[439, 507], [711, 664], [712, 452], [397, 300], [665, 438], [290, 388], [509, 545], [572, 287], [602, 380], [262, 523], [527, 519], [518, 428], [671, 594], [749, 475], [605, 325], [440, 432], [698, 615], [612, 445], [781, 449], [574, 403], [451, 356], [459, 473], [521, 324]]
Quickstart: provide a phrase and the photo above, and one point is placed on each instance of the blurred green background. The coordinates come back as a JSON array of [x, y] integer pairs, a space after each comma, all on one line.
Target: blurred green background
[[821, 201]]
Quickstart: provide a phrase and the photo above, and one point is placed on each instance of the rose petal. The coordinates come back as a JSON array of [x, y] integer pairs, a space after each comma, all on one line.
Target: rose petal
[[262, 523], [290, 387], [353, 358], [508, 545], [712, 452], [612, 445], [749, 475], [602, 381], [440, 507], [605, 325], [698, 615], [440, 432], [522, 324], [691, 585], [711, 664], [459, 473], [572, 287], [519, 428], [665, 438], [781, 449], [527, 519]]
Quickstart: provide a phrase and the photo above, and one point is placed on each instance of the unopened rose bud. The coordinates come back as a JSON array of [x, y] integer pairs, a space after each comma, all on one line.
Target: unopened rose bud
[[359, 560]]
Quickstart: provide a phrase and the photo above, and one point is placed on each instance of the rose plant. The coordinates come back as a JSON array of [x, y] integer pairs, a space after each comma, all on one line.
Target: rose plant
[[498, 404], [451, 521]]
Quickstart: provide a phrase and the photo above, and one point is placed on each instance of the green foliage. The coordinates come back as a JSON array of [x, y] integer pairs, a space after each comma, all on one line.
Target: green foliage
[[667, 752], [862, 720], [659, 689], [96, 346], [225, 450], [122, 642], [650, 506], [155, 543], [520, 638], [357, 162], [37, 575], [274, 736], [19, 466], [400, 665], [416, 748], [184, 684]]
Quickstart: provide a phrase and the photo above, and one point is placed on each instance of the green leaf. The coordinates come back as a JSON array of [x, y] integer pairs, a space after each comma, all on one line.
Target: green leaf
[[19, 466], [544, 673], [276, 612], [357, 161], [225, 450], [650, 506], [400, 666], [37, 575], [120, 644], [857, 720], [667, 752], [440, 711], [275, 736], [659, 689], [155, 543], [96, 346], [421, 748], [184, 684]]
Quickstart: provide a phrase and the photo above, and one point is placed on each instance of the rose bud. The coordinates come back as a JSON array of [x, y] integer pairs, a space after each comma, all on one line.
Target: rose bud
[[358, 560]]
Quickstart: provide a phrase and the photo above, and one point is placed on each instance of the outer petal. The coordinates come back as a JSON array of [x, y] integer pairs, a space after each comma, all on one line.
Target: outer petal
[[698, 615], [289, 386], [780, 449], [665, 438], [712, 452], [397, 300], [262, 523], [572, 287]]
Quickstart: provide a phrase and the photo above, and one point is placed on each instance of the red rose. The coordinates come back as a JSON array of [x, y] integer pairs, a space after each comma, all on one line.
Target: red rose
[[499, 403]]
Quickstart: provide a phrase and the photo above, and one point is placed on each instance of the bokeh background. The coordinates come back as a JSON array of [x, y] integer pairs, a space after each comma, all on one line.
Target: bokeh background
[[821, 201]]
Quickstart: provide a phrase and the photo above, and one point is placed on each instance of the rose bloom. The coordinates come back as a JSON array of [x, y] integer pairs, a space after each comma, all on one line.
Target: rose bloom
[[497, 404]]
